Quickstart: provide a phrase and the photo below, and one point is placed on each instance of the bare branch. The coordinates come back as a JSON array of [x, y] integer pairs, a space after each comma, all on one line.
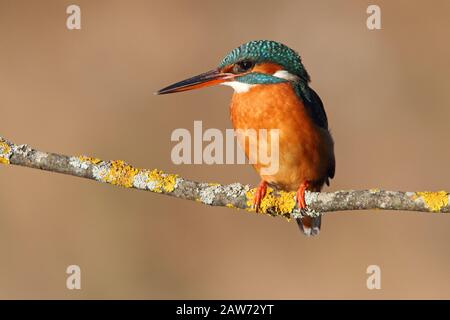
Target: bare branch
[[236, 195]]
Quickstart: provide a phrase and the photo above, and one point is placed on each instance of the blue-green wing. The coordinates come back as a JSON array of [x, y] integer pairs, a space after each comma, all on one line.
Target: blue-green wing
[[316, 111]]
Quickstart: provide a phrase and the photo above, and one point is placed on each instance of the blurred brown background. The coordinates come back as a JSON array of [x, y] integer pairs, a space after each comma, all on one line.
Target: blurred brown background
[[90, 91]]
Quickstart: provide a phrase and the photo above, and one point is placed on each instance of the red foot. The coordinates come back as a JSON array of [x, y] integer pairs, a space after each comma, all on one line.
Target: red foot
[[301, 195], [259, 195]]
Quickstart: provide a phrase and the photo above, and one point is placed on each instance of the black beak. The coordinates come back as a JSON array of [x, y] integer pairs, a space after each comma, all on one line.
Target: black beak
[[206, 79]]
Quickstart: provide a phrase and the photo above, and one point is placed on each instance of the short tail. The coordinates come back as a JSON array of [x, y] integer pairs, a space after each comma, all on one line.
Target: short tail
[[309, 226]]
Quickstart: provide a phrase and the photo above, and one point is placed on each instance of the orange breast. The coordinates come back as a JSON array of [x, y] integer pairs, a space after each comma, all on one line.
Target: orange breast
[[305, 150]]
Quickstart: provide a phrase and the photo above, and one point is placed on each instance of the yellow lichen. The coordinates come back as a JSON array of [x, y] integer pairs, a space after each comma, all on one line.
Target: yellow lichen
[[89, 159], [229, 205], [282, 204], [121, 174], [5, 149], [433, 200], [250, 195], [163, 182]]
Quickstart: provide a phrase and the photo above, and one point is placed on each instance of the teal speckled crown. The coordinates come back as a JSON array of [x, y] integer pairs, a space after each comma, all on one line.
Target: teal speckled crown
[[268, 51]]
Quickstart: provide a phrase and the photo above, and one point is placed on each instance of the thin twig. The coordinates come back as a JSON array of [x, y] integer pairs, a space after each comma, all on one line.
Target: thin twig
[[236, 195]]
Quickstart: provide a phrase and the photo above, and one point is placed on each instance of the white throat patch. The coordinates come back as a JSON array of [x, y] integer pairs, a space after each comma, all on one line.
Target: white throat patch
[[239, 87]]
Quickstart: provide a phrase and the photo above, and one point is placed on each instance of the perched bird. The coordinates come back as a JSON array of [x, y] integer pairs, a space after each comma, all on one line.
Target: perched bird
[[271, 91]]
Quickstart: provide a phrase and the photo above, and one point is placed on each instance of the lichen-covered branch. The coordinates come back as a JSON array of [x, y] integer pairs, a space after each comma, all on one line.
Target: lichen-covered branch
[[236, 195]]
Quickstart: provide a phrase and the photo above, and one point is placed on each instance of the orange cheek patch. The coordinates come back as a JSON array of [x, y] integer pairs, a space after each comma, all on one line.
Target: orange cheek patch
[[227, 69], [267, 68]]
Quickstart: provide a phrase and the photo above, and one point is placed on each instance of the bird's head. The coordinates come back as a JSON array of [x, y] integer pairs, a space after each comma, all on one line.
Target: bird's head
[[253, 63]]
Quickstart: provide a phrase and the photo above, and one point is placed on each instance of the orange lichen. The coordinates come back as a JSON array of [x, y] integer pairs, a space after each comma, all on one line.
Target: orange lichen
[[162, 181], [281, 204], [433, 200], [5, 151], [121, 174], [89, 159]]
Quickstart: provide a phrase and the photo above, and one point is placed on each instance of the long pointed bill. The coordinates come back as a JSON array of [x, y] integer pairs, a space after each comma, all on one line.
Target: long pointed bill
[[206, 79]]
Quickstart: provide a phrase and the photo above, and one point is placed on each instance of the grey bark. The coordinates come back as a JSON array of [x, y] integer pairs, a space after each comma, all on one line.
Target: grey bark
[[234, 195]]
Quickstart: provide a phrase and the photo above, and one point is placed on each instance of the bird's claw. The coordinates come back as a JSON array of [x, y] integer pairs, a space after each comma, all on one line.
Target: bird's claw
[[304, 212]]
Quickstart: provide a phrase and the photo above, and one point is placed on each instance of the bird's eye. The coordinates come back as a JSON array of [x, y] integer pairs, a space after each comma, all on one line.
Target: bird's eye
[[242, 66]]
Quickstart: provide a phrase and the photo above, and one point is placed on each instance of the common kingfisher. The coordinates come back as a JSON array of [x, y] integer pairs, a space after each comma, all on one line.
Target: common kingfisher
[[271, 91]]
